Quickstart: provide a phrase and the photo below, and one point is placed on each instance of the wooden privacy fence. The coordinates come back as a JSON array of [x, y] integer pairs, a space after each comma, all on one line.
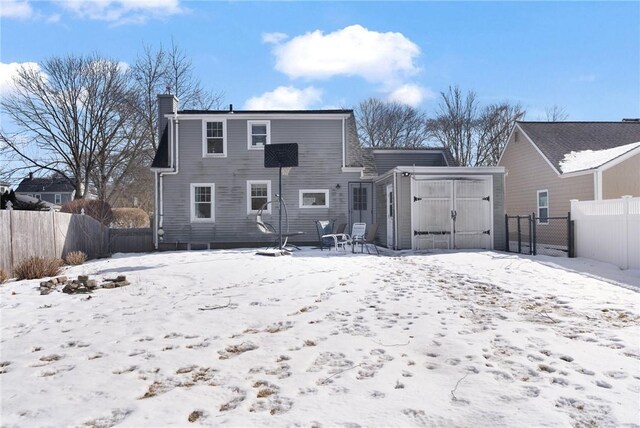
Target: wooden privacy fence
[[608, 230], [25, 234]]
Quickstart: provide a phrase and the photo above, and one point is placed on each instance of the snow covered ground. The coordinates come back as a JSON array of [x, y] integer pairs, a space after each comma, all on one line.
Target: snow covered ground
[[326, 339]]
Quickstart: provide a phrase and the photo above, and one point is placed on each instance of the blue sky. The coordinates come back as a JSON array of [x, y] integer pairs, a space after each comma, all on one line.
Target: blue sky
[[582, 56]]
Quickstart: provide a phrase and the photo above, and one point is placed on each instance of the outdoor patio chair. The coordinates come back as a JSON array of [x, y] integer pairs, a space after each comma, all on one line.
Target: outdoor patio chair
[[368, 239], [358, 231], [324, 228]]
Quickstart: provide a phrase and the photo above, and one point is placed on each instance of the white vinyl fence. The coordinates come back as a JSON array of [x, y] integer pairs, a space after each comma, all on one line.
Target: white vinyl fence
[[608, 230]]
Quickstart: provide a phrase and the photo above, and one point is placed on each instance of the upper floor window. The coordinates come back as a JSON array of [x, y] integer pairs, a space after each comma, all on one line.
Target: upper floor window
[[543, 206], [203, 202], [214, 143], [258, 133], [258, 194]]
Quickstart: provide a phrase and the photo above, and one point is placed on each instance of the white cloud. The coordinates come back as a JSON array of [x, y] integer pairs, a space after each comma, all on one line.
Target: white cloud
[[20, 9], [122, 11], [410, 94], [8, 71], [353, 51], [273, 37], [285, 98]]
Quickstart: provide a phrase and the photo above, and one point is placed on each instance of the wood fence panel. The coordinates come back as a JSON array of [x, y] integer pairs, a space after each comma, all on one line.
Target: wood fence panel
[[32, 235], [5, 241], [61, 223], [131, 240]]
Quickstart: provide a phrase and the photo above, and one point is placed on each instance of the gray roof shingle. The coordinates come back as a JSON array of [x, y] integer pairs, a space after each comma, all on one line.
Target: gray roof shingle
[[45, 185], [555, 139]]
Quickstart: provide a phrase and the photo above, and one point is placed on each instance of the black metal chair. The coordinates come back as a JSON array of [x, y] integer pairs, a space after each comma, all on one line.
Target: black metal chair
[[324, 227]]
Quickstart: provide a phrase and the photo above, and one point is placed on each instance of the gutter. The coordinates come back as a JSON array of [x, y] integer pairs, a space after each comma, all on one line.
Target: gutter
[[175, 169]]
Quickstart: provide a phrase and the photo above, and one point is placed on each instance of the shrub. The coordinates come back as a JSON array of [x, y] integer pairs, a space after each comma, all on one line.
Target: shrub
[[99, 210], [129, 217], [75, 258], [37, 267], [3, 276]]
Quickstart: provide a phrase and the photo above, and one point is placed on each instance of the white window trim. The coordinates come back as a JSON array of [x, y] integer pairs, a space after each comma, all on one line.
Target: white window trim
[[326, 198], [38, 196], [538, 205], [205, 154], [57, 198], [250, 123], [249, 183], [192, 202]]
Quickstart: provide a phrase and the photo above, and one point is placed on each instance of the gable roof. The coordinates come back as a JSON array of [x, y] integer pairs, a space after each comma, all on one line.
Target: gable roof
[[45, 185], [559, 139], [267, 112], [161, 159]]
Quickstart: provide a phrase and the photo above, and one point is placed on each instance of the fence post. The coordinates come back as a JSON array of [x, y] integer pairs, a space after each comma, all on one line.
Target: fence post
[[570, 244], [519, 237], [530, 235], [534, 237], [506, 231]]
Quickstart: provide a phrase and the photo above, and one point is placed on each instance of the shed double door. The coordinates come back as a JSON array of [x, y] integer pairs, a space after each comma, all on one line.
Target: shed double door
[[451, 214]]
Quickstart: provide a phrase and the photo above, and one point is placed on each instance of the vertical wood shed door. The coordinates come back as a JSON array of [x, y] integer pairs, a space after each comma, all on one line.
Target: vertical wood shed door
[[451, 214]]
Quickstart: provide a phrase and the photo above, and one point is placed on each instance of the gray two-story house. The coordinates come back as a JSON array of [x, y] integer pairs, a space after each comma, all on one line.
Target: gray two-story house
[[54, 189], [210, 182]]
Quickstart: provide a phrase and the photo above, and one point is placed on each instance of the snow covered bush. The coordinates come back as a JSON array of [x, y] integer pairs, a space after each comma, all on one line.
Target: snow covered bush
[[37, 267], [75, 258]]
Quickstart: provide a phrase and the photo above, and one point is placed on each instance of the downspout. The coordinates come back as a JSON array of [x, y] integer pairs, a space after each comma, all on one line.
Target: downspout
[[344, 144], [155, 204], [395, 207], [176, 167]]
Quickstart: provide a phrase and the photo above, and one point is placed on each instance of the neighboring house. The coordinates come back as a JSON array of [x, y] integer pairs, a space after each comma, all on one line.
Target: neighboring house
[[210, 181], [54, 190], [550, 163], [4, 187]]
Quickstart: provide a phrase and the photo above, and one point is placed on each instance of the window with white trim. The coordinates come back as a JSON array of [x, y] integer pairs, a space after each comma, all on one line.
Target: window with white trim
[[214, 143], [258, 134], [57, 198], [258, 194], [314, 198], [543, 206], [203, 197], [38, 196]]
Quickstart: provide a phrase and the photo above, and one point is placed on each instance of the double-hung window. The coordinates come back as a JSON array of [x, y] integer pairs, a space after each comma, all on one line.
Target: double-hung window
[[57, 198], [258, 194], [543, 206], [258, 134], [203, 202], [214, 143], [314, 198]]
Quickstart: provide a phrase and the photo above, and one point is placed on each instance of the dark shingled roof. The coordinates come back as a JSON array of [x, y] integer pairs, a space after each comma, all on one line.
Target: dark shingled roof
[[555, 139], [161, 160], [44, 185], [372, 163], [336, 111]]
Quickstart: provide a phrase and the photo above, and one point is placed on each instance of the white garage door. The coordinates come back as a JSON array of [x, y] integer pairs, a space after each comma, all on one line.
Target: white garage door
[[451, 213]]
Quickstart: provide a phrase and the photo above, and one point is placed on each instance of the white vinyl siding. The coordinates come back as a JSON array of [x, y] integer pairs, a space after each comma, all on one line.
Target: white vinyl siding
[[314, 198], [203, 202], [543, 206], [258, 193], [258, 134], [214, 138]]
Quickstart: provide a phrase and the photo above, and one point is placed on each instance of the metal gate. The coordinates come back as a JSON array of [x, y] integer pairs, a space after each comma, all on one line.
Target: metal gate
[[451, 214]]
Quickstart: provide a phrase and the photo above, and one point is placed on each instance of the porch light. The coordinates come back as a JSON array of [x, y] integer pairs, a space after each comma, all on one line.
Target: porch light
[[406, 174]]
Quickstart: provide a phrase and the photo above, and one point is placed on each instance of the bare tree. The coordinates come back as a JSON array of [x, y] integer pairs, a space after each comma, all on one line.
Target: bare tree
[[67, 114], [389, 125], [475, 135], [555, 113]]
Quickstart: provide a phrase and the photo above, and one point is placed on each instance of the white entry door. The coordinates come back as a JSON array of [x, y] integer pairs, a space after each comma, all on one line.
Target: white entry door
[[451, 213]]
